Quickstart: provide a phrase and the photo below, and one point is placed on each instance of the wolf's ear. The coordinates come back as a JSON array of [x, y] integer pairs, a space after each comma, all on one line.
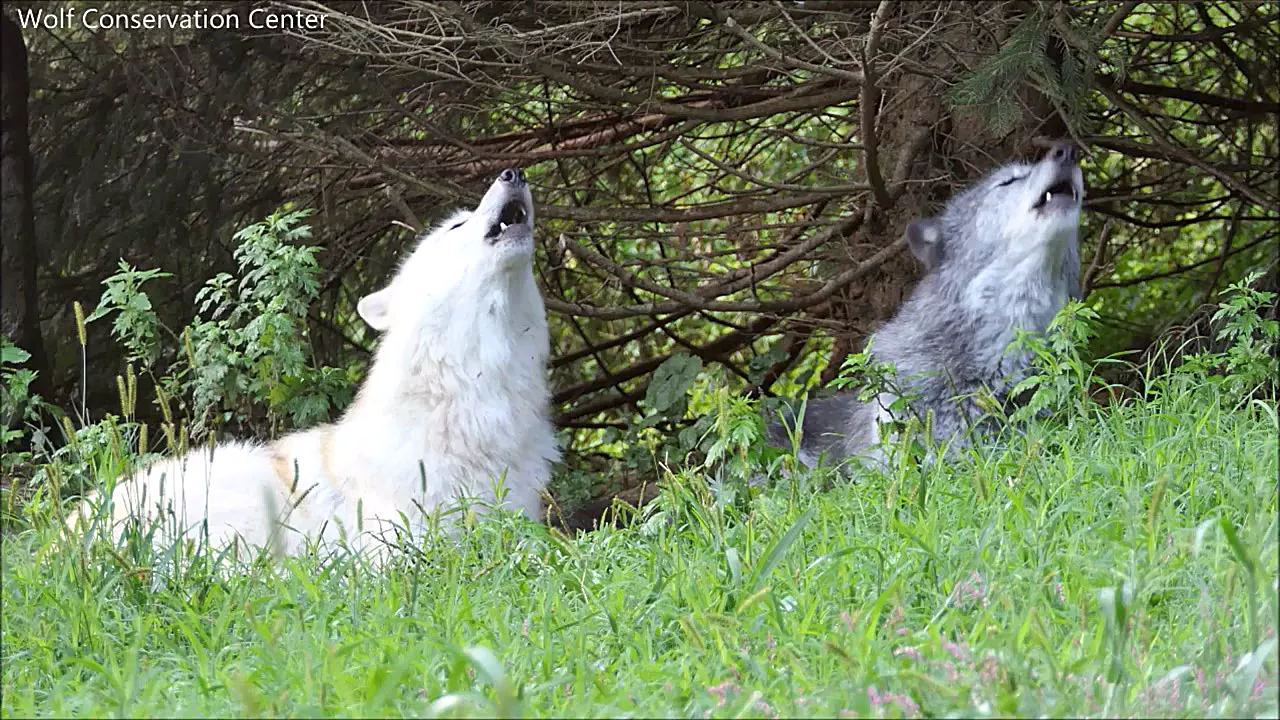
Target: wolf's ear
[[375, 308], [924, 237]]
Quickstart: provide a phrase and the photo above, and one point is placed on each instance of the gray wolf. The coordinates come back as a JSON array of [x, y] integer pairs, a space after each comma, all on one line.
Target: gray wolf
[[455, 405], [1003, 256]]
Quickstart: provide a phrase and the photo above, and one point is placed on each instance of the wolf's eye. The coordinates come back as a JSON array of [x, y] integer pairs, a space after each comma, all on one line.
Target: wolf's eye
[[457, 225], [1011, 180]]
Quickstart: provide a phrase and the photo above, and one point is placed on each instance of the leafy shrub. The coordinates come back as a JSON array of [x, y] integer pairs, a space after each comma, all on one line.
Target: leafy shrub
[[1250, 362], [248, 345], [245, 354]]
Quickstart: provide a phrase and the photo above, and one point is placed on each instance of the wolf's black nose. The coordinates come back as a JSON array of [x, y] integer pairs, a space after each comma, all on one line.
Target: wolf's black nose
[[1064, 152], [512, 175]]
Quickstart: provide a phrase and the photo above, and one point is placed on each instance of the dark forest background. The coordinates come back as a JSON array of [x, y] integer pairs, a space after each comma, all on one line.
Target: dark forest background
[[723, 180]]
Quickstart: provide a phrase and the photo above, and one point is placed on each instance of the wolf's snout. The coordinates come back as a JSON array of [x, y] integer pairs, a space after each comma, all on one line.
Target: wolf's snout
[[1064, 189], [508, 207], [1064, 152]]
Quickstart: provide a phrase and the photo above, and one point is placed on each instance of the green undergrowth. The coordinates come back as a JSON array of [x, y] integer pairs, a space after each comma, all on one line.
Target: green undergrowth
[[1126, 566], [1103, 560]]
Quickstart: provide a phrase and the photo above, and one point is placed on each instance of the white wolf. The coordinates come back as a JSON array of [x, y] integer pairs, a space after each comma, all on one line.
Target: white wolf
[[1003, 257], [455, 403]]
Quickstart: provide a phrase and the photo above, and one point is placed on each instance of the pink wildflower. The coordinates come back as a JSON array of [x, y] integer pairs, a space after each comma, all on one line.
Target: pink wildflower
[[908, 651], [958, 652], [990, 671], [906, 704], [970, 592], [847, 620], [723, 691]]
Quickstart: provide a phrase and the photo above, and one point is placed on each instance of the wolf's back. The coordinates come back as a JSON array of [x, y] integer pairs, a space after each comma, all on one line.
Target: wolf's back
[[234, 485]]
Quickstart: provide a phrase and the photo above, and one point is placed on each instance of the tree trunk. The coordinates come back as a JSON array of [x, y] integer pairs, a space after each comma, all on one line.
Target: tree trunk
[[19, 299]]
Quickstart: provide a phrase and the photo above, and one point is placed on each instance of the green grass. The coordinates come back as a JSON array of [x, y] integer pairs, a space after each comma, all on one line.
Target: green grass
[[1125, 565]]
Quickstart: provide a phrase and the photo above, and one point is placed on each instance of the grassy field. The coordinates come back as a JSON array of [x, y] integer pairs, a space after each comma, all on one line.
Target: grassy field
[[1121, 563]]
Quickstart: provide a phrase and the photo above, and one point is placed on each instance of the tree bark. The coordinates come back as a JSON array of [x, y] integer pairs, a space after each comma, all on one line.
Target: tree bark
[[20, 297]]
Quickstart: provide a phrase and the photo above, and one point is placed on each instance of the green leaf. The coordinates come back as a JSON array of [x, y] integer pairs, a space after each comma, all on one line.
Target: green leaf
[[13, 355], [671, 381], [780, 548], [1243, 556]]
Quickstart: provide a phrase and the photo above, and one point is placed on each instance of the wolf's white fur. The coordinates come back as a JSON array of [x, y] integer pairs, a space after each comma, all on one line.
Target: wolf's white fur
[[455, 402]]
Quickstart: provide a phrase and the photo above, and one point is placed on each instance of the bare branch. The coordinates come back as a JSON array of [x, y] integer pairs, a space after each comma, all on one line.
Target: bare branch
[[870, 105]]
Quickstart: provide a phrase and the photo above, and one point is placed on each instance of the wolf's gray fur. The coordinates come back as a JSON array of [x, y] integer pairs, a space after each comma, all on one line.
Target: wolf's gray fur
[[1002, 256]]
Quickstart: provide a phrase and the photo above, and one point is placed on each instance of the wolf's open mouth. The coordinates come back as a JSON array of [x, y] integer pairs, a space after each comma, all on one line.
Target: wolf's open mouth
[[1062, 188], [513, 213]]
